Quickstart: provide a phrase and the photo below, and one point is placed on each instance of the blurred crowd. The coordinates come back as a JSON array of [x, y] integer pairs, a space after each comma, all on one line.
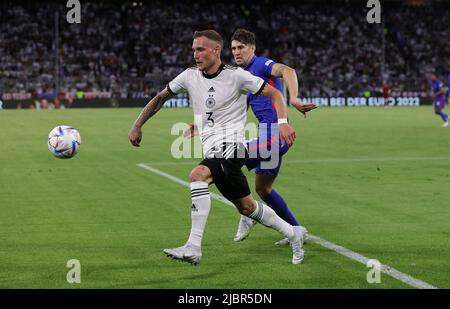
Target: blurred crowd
[[132, 49]]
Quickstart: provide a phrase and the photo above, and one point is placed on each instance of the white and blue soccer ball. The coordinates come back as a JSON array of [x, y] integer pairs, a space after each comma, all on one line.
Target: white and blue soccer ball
[[64, 142]]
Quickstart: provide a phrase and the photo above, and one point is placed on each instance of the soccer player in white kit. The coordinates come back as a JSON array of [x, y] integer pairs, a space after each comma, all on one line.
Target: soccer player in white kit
[[218, 95]]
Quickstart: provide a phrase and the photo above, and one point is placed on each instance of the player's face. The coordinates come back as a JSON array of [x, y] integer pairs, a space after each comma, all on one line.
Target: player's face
[[242, 53], [206, 53]]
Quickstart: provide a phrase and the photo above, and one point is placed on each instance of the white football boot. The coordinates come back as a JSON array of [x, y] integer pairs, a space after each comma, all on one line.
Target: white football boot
[[187, 253], [296, 243], [245, 225], [305, 236], [445, 124]]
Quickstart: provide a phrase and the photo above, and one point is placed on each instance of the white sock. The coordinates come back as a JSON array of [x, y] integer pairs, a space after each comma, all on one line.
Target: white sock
[[266, 216], [201, 204]]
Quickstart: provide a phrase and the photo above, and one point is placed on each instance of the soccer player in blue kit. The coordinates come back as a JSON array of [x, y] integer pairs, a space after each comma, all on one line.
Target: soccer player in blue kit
[[438, 98], [243, 47]]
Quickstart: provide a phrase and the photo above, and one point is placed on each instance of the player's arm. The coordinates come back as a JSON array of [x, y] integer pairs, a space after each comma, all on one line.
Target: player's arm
[[433, 97], [436, 94], [149, 111], [448, 90], [289, 76], [287, 133], [441, 91]]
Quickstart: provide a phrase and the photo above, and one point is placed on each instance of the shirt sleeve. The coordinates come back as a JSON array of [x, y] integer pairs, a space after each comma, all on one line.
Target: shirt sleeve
[[249, 83], [178, 84], [268, 67]]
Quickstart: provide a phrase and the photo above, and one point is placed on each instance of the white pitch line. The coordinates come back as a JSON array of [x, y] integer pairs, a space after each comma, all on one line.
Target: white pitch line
[[388, 270], [323, 160]]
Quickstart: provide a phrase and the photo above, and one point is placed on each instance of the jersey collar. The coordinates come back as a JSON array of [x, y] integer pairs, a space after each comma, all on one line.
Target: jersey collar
[[250, 63], [209, 76]]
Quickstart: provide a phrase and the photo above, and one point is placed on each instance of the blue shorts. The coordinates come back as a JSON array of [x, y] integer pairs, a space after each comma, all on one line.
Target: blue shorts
[[439, 103], [265, 152]]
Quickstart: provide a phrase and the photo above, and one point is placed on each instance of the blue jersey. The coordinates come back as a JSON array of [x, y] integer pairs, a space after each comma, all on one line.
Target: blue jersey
[[266, 114], [262, 106], [448, 91], [436, 86]]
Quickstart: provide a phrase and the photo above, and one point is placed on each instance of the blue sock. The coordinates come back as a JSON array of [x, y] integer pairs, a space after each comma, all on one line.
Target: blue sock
[[276, 202], [443, 115]]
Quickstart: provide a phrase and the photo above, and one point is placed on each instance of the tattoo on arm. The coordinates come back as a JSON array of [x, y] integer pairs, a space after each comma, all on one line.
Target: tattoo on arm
[[153, 107]]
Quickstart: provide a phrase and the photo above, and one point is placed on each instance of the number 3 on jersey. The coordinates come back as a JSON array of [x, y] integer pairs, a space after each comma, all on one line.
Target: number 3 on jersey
[[210, 119]]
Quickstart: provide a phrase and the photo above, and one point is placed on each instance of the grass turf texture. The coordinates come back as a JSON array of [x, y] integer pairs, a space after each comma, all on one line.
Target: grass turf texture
[[116, 218]]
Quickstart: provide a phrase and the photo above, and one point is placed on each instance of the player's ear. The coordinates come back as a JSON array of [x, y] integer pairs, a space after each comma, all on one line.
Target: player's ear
[[217, 50]]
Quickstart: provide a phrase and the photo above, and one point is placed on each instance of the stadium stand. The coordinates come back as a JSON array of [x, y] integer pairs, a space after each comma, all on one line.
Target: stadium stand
[[133, 49]]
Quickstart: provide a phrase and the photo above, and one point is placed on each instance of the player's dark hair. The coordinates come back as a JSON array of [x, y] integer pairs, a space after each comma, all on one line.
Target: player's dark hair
[[244, 36], [210, 34]]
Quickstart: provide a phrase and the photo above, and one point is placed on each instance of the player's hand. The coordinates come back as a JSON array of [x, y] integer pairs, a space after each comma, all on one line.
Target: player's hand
[[302, 107], [287, 134], [135, 136], [191, 131]]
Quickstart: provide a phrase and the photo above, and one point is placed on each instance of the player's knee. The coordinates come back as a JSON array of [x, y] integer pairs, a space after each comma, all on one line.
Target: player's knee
[[247, 209], [245, 206], [199, 173]]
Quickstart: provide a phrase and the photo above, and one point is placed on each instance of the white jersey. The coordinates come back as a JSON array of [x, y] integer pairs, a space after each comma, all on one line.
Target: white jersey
[[219, 102]]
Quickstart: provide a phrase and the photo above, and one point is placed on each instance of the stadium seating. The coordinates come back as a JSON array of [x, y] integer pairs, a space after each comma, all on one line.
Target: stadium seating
[[133, 49]]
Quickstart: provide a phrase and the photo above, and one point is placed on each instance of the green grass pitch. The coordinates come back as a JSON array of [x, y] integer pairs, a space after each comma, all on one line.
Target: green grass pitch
[[373, 180]]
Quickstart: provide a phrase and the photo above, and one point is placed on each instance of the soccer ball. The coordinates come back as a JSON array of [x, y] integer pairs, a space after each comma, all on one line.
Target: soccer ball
[[64, 142]]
